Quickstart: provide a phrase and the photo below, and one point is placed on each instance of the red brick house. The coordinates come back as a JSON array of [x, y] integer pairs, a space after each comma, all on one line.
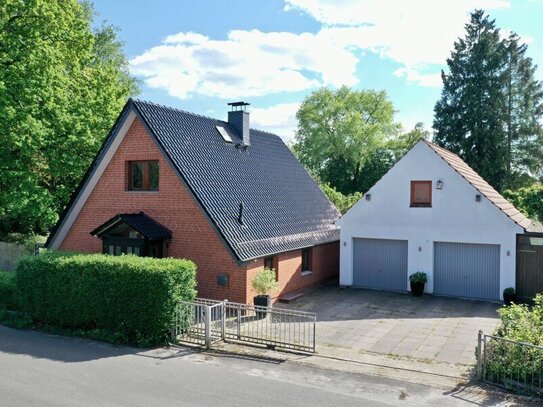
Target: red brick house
[[230, 198]]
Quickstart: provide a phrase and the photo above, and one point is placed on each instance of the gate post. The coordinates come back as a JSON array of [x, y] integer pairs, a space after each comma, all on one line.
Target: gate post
[[239, 321], [479, 358], [223, 319], [208, 326]]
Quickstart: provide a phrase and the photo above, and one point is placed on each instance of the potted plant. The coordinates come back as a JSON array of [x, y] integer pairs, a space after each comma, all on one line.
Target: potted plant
[[509, 296], [264, 283], [417, 281]]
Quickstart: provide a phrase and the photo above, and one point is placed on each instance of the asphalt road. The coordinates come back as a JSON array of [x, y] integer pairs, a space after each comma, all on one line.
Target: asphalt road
[[38, 369]]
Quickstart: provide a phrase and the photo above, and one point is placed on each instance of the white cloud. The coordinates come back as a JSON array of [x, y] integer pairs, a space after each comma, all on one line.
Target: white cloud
[[418, 34], [247, 63], [279, 119], [422, 79]]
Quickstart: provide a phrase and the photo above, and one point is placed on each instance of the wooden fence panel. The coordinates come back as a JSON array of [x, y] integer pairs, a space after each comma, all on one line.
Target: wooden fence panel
[[529, 266]]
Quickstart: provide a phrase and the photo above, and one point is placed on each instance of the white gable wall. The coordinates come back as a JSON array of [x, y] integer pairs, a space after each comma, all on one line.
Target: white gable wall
[[455, 216]]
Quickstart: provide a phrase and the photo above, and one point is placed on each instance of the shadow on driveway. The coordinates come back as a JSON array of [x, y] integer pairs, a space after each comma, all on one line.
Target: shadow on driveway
[[334, 304]]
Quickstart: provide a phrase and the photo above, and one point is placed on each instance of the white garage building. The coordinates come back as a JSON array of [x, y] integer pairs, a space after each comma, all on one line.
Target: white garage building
[[431, 212]]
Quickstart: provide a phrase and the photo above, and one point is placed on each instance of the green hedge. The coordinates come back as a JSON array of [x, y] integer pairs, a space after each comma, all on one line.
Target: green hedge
[[132, 298], [7, 290]]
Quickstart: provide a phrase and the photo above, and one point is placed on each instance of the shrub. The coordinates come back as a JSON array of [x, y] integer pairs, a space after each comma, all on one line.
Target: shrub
[[264, 282], [509, 363], [509, 291], [132, 298], [7, 290], [520, 323], [418, 277]]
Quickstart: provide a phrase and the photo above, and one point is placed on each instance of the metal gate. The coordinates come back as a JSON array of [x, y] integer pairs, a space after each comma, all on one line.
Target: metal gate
[[198, 322], [467, 270], [204, 322], [380, 263], [512, 365]]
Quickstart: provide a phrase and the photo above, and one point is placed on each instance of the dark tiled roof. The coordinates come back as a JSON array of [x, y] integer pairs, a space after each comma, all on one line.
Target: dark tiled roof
[[482, 186], [140, 222], [283, 208]]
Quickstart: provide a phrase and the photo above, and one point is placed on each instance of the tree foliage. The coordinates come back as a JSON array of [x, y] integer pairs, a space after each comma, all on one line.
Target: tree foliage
[[61, 86], [491, 105], [342, 202], [529, 200], [343, 135]]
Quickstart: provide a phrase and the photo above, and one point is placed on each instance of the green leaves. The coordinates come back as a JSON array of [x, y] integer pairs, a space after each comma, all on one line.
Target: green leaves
[[132, 298], [522, 323], [61, 87], [264, 282], [491, 106], [342, 202], [7, 291], [340, 131], [529, 200]]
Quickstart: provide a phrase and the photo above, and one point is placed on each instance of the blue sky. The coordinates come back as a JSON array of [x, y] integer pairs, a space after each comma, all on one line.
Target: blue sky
[[199, 55]]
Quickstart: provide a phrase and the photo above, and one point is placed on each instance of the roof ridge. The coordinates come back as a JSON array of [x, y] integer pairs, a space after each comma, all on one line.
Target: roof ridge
[[148, 102]]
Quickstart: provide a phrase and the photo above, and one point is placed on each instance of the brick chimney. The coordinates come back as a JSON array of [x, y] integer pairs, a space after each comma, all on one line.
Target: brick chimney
[[238, 118]]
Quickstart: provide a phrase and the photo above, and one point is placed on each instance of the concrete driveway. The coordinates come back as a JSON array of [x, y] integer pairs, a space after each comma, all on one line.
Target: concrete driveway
[[430, 328]]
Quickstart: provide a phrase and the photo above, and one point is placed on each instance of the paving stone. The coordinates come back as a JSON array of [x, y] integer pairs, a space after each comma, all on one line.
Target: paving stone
[[430, 327]]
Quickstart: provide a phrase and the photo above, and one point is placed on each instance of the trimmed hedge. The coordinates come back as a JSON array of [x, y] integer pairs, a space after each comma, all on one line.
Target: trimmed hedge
[[7, 290], [131, 298]]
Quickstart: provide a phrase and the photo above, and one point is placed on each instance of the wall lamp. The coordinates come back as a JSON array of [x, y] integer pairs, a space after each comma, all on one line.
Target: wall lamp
[[439, 184]]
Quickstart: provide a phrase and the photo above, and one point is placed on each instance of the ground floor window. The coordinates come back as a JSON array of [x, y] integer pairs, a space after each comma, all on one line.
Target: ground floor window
[[138, 247], [269, 263], [133, 233], [306, 259]]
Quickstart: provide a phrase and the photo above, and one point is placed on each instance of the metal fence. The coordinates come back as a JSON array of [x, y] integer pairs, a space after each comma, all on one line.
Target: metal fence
[[203, 322], [273, 327], [515, 366], [198, 322]]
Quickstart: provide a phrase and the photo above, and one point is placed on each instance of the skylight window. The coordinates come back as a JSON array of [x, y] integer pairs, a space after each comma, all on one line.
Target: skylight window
[[224, 134]]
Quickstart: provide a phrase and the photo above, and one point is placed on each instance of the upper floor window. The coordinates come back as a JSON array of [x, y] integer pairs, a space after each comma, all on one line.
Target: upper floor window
[[421, 194], [143, 175]]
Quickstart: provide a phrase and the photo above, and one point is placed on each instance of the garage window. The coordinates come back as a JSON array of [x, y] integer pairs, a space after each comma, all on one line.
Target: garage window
[[421, 194]]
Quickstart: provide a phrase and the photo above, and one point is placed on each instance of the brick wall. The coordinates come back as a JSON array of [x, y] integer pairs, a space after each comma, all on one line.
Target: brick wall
[[192, 235], [288, 266]]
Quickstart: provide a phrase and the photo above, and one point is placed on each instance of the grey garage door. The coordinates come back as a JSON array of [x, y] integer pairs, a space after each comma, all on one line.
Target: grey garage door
[[467, 270], [380, 263]]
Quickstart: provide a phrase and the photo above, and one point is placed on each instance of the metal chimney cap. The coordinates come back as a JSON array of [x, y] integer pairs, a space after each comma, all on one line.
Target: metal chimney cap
[[240, 105]]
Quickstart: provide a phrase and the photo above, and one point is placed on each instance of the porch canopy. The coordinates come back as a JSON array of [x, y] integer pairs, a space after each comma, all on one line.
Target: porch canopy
[[133, 233]]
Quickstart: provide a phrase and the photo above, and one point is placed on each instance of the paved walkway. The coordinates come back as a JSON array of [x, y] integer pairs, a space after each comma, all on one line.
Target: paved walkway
[[434, 329]]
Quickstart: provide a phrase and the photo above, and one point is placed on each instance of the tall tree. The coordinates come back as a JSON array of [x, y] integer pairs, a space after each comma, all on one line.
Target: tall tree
[[61, 86], [524, 95], [339, 133], [491, 105], [468, 117]]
